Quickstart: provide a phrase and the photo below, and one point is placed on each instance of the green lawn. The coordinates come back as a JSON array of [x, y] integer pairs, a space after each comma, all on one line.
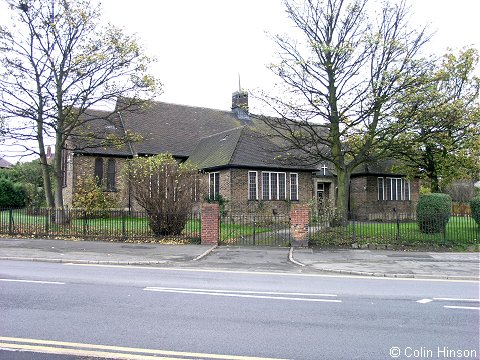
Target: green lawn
[[111, 227], [460, 231]]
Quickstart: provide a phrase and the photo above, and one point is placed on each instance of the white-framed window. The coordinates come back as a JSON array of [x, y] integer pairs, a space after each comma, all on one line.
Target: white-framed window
[[265, 185], [393, 189], [381, 188], [213, 185], [274, 185], [252, 185], [293, 186]]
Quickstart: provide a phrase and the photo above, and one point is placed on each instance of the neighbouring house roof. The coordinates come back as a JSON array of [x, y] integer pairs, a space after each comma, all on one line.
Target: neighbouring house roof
[[4, 164], [242, 147]]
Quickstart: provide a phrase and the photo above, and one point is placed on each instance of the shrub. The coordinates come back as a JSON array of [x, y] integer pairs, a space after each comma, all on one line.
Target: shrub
[[475, 208], [166, 190], [90, 197], [12, 195], [433, 212]]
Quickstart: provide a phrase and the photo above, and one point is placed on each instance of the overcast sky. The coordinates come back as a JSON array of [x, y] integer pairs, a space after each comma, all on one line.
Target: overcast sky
[[202, 45]]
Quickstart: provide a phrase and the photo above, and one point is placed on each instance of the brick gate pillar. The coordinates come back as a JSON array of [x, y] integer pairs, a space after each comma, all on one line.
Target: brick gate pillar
[[210, 221], [299, 224]]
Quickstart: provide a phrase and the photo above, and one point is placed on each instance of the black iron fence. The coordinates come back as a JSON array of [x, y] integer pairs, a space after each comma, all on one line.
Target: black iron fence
[[325, 229], [393, 229], [254, 230], [113, 225]]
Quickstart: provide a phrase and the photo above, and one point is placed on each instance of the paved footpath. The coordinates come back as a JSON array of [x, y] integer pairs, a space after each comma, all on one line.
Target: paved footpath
[[299, 260]]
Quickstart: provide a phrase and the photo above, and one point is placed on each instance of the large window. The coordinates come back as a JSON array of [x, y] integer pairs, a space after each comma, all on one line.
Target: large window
[[98, 171], [393, 189], [213, 185], [252, 185], [293, 186], [274, 186], [111, 173]]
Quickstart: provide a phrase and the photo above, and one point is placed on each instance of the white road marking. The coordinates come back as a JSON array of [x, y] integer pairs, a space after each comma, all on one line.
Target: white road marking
[[454, 299], [108, 351], [462, 307], [34, 281], [271, 273], [424, 301], [243, 291], [230, 294]]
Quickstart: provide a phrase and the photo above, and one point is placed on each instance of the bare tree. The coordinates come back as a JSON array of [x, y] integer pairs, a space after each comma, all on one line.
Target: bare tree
[[59, 63], [166, 190], [340, 84]]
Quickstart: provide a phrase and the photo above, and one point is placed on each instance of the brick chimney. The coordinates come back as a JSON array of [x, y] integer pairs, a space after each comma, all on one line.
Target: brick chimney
[[240, 104]]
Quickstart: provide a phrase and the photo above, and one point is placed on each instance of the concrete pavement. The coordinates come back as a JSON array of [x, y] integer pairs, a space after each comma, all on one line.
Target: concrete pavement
[[302, 260]]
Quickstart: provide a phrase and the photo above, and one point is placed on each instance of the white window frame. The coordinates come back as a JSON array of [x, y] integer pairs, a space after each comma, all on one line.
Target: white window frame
[[296, 187], [216, 181], [394, 185], [274, 176], [250, 183], [381, 187]]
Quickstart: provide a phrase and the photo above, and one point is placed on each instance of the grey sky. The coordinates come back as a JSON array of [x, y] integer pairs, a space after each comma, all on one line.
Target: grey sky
[[202, 45]]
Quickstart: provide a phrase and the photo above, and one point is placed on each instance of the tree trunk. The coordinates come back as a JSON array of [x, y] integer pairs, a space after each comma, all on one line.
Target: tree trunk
[[47, 182], [60, 214], [343, 184]]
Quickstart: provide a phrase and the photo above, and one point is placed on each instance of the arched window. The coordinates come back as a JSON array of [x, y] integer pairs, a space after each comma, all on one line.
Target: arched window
[[99, 171], [111, 174]]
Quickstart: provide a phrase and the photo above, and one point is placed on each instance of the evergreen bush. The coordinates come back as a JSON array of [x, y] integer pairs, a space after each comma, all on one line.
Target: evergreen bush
[[12, 195], [475, 207], [433, 212]]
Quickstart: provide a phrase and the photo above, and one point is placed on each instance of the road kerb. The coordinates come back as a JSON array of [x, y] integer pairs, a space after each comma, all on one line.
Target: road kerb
[[290, 257], [205, 253]]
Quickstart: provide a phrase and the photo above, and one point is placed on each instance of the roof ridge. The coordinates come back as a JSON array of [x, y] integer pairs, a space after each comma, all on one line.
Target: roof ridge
[[191, 106], [223, 132]]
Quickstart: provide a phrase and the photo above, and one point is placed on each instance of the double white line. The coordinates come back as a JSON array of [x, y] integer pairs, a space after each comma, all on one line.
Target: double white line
[[292, 296], [106, 351]]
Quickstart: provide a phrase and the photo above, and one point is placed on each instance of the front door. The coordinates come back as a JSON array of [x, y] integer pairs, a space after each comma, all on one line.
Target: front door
[[322, 193]]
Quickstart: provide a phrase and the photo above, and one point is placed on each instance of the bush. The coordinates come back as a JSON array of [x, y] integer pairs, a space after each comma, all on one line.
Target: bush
[[433, 212], [12, 195], [166, 190], [90, 197], [475, 208]]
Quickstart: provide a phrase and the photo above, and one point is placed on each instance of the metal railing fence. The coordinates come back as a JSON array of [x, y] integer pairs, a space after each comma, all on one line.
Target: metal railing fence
[[112, 225], [393, 229], [254, 230]]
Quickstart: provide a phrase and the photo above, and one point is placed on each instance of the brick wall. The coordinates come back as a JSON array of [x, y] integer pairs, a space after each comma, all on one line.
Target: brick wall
[[364, 198], [80, 166], [299, 224], [210, 221], [235, 189]]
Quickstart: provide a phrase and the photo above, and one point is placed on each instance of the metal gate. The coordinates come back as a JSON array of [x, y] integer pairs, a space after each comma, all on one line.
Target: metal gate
[[254, 230]]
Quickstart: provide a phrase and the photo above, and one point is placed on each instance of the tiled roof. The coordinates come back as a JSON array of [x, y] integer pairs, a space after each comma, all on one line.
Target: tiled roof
[[379, 167], [4, 164], [176, 129], [243, 147], [209, 137], [99, 125]]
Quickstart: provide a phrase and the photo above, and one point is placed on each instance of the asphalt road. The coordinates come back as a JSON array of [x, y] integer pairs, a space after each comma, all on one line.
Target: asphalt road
[[87, 310]]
